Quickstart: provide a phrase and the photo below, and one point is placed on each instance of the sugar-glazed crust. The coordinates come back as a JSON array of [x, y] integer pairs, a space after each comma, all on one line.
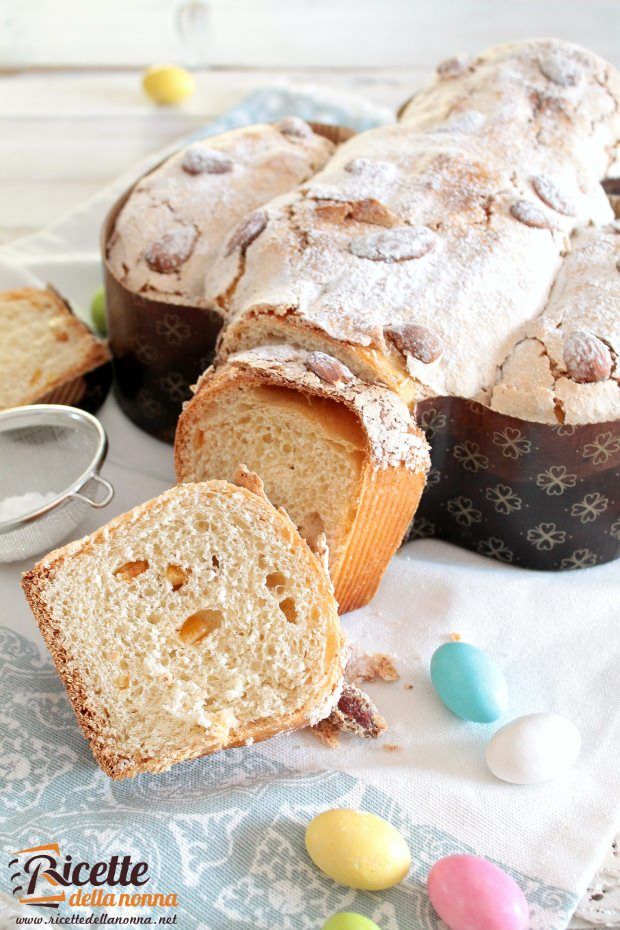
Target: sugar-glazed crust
[[564, 365], [177, 214], [454, 222]]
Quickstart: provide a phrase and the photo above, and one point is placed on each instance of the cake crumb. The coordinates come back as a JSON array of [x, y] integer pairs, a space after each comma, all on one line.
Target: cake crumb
[[391, 747], [408, 687], [455, 637], [327, 732], [244, 478], [371, 667], [355, 713]]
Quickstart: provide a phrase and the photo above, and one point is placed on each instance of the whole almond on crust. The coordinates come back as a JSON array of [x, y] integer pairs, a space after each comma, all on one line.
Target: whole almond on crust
[[528, 213], [247, 232], [295, 126], [559, 68], [329, 369], [452, 67], [206, 161], [371, 168], [415, 340], [552, 196], [167, 254], [586, 357], [401, 244]]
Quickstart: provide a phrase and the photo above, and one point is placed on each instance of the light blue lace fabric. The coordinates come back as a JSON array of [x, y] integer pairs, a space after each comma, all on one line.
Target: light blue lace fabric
[[268, 104], [226, 833]]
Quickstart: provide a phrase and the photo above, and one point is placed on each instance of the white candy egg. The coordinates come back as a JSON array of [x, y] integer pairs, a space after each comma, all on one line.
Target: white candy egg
[[534, 748]]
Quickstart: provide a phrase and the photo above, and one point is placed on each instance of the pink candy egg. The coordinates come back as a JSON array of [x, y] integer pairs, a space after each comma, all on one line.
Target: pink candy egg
[[470, 893]]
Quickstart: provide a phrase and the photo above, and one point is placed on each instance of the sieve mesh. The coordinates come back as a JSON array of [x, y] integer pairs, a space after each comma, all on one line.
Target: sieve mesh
[[54, 451]]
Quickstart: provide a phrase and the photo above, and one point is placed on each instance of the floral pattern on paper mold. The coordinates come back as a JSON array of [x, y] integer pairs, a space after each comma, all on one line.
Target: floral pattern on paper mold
[[525, 494]]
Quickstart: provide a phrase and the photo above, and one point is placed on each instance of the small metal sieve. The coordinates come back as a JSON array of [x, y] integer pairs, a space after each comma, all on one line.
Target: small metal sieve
[[50, 457]]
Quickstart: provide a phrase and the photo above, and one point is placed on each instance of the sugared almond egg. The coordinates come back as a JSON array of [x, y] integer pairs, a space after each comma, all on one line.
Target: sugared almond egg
[[471, 893], [348, 920], [358, 849], [469, 682], [168, 84], [533, 749]]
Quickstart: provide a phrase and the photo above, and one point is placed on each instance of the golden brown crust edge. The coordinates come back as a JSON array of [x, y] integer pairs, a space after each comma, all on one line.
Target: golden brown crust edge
[[388, 499], [388, 502], [93, 723], [262, 326]]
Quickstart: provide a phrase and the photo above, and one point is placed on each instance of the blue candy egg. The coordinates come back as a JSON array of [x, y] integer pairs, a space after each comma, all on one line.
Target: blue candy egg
[[469, 682]]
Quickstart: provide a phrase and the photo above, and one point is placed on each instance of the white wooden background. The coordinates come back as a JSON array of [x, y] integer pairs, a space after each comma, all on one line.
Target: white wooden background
[[72, 114]]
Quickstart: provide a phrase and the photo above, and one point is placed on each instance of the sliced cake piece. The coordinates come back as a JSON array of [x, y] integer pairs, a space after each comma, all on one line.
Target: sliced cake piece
[[45, 349], [196, 622], [342, 456]]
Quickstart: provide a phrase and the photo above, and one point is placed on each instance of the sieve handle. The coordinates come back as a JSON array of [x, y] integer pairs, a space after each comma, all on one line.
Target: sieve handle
[[108, 495]]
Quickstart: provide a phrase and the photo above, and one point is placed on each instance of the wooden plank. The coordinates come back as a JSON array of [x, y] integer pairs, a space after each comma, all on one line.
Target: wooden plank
[[292, 33], [48, 96]]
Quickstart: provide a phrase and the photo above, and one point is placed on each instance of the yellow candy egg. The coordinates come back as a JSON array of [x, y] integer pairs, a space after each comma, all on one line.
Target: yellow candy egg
[[168, 84], [358, 849]]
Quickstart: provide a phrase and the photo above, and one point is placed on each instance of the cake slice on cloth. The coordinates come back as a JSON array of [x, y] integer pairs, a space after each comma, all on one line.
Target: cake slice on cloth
[[198, 621]]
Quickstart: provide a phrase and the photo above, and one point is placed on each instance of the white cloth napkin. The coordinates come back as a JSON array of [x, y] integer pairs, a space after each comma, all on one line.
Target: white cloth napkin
[[553, 634]]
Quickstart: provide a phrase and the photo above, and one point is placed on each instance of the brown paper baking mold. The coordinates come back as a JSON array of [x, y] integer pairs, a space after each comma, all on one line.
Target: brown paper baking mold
[[161, 348], [87, 391], [524, 493]]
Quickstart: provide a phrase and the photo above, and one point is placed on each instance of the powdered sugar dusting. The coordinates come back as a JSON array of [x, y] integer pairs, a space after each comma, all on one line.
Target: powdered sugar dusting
[[552, 196], [497, 241], [469, 121], [528, 213], [496, 249], [560, 67], [397, 245], [208, 187]]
